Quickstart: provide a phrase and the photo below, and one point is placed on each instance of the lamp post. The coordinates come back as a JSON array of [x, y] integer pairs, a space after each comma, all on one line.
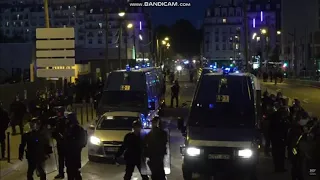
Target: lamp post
[[121, 15]]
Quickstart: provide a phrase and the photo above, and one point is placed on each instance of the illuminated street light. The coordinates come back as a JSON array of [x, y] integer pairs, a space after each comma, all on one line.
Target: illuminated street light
[[168, 45], [140, 37], [263, 31], [164, 42], [121, 14], [130, 25], [278, 32], [166, 39]]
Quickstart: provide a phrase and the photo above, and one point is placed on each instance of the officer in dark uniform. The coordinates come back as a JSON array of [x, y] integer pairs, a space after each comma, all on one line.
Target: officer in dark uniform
[[175, 90], [38, 149], [73, 143], [57, 134], [132, 149], [278, 130], [156, 148], [4, 124]]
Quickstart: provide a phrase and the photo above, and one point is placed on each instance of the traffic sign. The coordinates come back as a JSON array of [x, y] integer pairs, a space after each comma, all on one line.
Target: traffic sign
[[55, 56]]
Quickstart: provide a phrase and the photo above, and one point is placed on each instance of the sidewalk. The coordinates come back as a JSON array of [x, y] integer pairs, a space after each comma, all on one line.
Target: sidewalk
[[16, 165]]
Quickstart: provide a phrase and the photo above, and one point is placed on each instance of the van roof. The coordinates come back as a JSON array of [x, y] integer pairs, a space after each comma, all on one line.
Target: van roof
[[139, 70], [255, 79]]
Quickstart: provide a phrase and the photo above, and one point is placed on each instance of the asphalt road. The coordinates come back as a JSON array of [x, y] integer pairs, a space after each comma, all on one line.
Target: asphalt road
[[309, 96], [104, 171]]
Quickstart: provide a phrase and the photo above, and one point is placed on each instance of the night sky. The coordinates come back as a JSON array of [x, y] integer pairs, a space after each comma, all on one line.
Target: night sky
[[168, 15]]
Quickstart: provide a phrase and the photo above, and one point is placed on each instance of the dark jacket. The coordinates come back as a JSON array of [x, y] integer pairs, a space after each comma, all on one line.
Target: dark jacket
[[4, 123], [156, 143], [37, 146], [131, 147]]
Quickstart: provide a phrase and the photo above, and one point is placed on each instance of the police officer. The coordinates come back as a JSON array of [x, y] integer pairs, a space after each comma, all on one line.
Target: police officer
[[73, 143], [38, 149], [156, 148], [278, 132], [4, 123], [57, 134], [132, 149], [175, 89]]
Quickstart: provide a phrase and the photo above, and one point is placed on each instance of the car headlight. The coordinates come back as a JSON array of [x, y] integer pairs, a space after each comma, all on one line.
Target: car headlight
[[191, 151], [94, 140], [245, 153]]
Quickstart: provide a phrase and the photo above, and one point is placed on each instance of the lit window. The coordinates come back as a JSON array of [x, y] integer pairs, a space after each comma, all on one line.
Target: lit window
[[91, 11], [224, 20], [100, 25]]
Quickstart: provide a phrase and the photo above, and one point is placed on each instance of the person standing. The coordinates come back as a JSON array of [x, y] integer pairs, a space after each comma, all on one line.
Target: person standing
[[37, 149], [75, 139], [156, 148], [132, 149], [17, 110], [4, 123], [175, 90]]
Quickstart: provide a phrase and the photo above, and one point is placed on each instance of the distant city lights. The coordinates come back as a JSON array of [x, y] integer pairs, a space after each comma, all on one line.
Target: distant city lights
[[140, 25], [261, 16], [254, 22]]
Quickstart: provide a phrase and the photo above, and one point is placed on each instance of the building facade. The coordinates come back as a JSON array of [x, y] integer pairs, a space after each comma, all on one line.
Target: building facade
[[224, 30], [222, 34], [88, 17]]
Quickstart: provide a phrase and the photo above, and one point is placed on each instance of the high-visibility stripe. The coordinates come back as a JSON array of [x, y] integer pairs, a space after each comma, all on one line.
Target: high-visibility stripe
[[237, 144]]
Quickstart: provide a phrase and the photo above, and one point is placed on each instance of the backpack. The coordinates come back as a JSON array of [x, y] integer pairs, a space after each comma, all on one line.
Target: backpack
[[83, 137]]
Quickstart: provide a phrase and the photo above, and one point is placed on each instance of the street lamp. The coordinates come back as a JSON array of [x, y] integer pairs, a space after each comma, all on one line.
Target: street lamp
[[166, 39], [130, 25], [164, 42], [278, 32], [121, 14], [263, 31], [140, 37]]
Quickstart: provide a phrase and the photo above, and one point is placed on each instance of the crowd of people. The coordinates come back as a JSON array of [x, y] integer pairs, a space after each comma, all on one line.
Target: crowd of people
[[50, 117], [289, 132]]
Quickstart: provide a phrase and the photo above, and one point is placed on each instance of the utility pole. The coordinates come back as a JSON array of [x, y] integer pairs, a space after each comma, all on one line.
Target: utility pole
[[134, 46], [106, 62], [245, 21], [46, 13], [295, 60], [120, 42]]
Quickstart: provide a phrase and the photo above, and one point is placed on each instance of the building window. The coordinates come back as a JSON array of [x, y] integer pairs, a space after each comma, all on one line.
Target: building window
[[231, 46], [90, 41], [268, 6], [217, 30], [217, 47], [224, 20], [217, 38], [278, 6], [258, 7], [207, 47], [224, 47], [224, 38], [99, 41]]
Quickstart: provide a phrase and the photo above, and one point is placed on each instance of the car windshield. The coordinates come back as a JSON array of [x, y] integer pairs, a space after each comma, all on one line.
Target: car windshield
[[116, 122], [224, 102], [123, 98]]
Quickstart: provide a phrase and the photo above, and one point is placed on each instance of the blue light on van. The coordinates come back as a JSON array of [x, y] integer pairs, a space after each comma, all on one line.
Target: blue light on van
[[211, 106], [214, 67], [211, 66], [237, 71], [148, 64], [136, 67], [143, 66], [127, 67]]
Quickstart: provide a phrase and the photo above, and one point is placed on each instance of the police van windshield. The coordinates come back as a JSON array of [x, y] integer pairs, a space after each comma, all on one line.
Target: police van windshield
[[123, 98], [116, 122], [224, 102]]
